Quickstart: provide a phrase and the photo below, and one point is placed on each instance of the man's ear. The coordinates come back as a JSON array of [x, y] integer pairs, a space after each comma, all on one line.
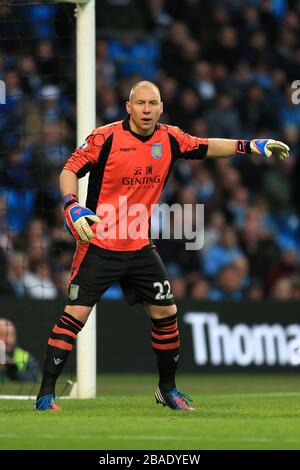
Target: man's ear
[[161, 107], [128, 107]]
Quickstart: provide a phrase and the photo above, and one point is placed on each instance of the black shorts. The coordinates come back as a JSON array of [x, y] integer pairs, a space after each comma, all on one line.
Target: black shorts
[[141, 275]]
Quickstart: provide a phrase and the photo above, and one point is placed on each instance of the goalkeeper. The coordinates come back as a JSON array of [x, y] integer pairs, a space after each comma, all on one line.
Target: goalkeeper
[[128, 161]]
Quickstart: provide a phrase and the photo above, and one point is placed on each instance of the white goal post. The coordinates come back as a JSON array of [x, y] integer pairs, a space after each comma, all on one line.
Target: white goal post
[[86, 121]]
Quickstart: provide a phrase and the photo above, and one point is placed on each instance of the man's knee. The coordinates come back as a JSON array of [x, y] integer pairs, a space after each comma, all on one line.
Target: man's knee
[[161, 311], [80, 312]]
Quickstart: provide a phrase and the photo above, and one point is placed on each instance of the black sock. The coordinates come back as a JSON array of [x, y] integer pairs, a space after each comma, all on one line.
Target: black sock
[[165, 344], [60, 344]]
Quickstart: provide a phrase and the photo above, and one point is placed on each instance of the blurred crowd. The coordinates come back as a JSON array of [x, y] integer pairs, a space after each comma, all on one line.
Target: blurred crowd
[[225, 69]]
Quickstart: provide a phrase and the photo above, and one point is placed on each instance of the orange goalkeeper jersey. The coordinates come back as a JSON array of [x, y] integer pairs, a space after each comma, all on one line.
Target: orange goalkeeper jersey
[[125, 171]]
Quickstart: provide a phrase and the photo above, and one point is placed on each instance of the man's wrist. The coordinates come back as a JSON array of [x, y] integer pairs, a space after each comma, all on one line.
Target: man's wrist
[[243, 147], [69, 199]]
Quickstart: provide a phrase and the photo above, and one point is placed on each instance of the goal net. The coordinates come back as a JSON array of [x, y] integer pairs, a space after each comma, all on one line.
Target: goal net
[[38, 121]]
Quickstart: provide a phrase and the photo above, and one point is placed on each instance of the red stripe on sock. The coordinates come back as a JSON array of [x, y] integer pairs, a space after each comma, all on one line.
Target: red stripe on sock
[[64, 331], [166, 346], [57, 343], [173, 335]]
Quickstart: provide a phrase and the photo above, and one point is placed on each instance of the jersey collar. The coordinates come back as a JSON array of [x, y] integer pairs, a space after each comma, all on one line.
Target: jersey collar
[[142, 138]]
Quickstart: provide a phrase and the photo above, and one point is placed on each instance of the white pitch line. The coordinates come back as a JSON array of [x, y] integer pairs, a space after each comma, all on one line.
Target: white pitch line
[[190, 438], [205, 395], [254, 395], [26, 397], [164, 438]]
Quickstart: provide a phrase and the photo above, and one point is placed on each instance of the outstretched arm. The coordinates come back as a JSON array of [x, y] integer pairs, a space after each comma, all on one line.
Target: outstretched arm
[[223, 148], [192, 147]]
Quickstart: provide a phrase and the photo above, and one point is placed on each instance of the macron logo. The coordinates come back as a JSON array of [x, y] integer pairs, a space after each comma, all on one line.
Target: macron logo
[[128, 149]]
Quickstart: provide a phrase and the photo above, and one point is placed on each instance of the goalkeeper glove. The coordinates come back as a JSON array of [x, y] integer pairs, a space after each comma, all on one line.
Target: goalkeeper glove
[[264, 147], [78, 219], [270, 147]]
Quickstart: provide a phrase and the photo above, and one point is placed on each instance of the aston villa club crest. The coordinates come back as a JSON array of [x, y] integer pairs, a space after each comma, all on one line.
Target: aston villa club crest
[[156, 150], [73, 292]]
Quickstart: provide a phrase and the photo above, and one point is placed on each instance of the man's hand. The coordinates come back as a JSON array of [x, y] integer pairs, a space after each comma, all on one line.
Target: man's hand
[[78, 219], [270, 147]]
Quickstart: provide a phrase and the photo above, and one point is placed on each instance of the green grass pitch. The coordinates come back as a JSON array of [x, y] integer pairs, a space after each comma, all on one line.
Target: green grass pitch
[[232, 412]]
